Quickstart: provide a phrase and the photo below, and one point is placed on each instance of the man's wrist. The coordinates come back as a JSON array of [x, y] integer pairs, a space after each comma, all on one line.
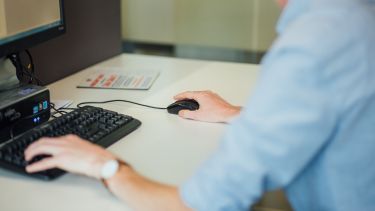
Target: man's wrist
[[107, 179]]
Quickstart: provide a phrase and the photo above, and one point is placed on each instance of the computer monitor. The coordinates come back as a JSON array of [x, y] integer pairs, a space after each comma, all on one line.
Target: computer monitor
[[24, 24]]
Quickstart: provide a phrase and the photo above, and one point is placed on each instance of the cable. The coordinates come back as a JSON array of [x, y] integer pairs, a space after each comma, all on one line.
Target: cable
[[69, 109], [57, 110], [22, 70], [124, 101], [31, 76], [15, 59], [31, 67]]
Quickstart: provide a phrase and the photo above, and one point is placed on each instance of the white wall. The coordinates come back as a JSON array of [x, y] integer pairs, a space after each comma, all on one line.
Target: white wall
[[238, 24]]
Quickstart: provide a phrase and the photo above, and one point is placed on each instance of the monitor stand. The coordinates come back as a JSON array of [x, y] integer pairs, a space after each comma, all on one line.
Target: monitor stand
[[8, 75]]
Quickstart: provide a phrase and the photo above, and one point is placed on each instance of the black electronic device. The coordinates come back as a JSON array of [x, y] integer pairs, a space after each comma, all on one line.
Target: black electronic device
[[25, 24], [23, 108], [23, 30], [187, 104], [97, 125]]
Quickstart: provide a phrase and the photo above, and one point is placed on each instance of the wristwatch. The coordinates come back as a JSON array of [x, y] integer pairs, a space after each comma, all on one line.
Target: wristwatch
[[109, 169]]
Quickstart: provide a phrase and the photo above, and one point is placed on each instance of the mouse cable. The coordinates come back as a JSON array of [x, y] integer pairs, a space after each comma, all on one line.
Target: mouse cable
[[123, 101]]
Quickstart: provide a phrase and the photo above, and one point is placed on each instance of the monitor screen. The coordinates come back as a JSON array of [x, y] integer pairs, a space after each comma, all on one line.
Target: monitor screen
[[25, 23]]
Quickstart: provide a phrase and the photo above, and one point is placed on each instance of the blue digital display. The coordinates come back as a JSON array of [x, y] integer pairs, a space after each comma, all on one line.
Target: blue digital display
[[36, 120], [40, 107], [45, 105], [35, 109]]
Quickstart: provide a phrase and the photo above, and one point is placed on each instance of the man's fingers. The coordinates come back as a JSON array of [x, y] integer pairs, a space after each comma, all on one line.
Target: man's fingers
[[195, 95], [188, 114], [45, 148], [45, 164], [186, 95], [183, 95], [53, 143], [46, 140]]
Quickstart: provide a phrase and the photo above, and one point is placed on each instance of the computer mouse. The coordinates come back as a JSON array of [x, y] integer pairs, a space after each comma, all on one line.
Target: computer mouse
[[186, 104]]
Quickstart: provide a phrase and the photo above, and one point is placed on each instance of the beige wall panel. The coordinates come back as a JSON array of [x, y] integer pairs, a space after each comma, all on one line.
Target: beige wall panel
[[149, 20], [215, 23], [3, 26], [268, 16], [236, 24]]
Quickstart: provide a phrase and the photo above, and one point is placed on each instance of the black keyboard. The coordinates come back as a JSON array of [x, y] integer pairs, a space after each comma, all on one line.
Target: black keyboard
[[97, 125]]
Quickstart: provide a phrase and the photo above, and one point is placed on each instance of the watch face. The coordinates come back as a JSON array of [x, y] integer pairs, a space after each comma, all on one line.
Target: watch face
[[109, 169]]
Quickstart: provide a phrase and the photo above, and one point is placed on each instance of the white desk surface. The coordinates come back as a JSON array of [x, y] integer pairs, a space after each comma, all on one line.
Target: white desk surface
[[165, 148]]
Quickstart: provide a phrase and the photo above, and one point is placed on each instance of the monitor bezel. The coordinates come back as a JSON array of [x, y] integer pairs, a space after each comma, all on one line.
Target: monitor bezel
[[27, 42]]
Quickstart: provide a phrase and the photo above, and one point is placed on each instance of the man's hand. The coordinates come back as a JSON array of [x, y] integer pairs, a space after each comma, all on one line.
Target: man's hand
[[69, 153], [78, 156], [212, 108]]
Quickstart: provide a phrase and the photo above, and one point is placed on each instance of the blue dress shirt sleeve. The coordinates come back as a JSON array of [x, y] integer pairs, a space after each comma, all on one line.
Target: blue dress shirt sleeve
[[290, 117]]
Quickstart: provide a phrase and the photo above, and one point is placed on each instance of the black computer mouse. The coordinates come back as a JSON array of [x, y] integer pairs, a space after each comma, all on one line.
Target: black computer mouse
[[186, 104]]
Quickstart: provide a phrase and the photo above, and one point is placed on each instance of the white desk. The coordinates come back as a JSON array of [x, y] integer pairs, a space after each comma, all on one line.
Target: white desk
[[165, 148]]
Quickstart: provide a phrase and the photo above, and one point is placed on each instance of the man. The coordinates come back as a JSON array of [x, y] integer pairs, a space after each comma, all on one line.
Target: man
[[308, 127]]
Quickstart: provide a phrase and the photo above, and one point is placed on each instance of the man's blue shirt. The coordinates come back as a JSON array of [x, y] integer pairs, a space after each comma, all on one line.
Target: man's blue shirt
[[309, 127]]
